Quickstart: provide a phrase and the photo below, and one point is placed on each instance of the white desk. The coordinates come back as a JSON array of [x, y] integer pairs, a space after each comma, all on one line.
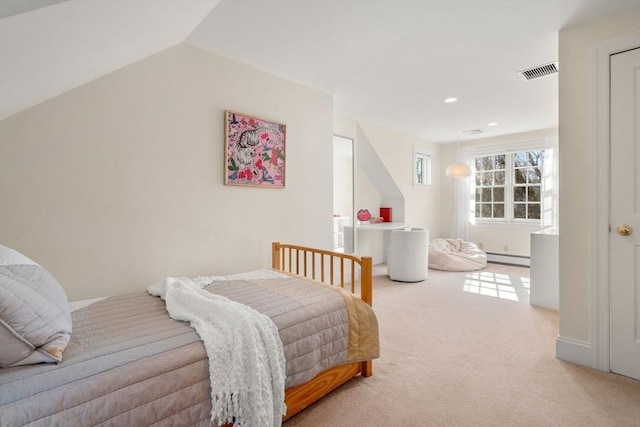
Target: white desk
[[381, 226], [372, 239]]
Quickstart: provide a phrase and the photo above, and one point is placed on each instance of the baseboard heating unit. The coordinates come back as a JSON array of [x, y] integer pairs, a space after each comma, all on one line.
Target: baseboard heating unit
[[508, 259]]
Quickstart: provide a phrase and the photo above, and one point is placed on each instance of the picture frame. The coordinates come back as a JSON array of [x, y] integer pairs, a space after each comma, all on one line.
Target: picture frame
[[254, 151]]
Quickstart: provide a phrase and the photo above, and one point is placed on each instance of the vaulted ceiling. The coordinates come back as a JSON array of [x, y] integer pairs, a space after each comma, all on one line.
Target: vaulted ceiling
[[389, 62]]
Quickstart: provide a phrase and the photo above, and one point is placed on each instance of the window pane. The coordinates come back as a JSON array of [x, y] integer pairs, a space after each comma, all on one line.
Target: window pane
[[520, 159], [519, 210], [486, 194], [478, 193], [422, 169], [534, 211], [487, 163], [500, 161], [486, 210], [535, 175], [520, 176], [487, 178], [499, 178], [478, 179], [498, 210], [520, 194], [477, 210], [534, 193], [536, 158], [498, 194], [478, 163]]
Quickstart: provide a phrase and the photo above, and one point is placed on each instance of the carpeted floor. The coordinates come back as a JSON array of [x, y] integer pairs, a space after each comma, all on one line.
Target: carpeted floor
[[467, 349]]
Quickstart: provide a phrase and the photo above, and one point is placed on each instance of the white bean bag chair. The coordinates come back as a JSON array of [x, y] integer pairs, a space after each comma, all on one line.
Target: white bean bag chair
[[456, 255]]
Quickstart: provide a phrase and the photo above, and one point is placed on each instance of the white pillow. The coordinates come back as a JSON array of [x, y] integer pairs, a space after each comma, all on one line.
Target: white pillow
[[35, 319], [10, 257]]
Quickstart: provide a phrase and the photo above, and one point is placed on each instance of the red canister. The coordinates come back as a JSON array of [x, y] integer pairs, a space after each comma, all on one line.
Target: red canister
[[385, 213]]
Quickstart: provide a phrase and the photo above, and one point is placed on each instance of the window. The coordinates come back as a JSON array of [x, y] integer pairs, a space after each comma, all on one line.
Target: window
[[421, 168], [508, 186]]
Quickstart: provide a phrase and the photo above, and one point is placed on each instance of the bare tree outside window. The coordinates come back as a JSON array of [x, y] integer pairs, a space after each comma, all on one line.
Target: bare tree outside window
[[508, 186], [490, 185], [527, 182], [421, 168]]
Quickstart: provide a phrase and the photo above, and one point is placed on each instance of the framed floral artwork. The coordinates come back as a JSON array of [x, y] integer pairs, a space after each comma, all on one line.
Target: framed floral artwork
[[254, 151]]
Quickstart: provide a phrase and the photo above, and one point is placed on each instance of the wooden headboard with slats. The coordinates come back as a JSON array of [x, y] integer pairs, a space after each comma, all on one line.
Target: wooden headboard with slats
[[348, 271]]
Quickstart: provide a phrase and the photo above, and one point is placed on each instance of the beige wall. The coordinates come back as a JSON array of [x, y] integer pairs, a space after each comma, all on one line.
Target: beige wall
[[366, 195], [422, 206], [576, 234], [118, 183]]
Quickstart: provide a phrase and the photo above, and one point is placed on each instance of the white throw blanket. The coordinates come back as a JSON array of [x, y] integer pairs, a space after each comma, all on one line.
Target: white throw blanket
[[246, 358]]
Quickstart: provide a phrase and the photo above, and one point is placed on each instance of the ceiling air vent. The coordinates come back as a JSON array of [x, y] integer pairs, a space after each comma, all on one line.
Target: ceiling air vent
[[540, 71], [472, 131]]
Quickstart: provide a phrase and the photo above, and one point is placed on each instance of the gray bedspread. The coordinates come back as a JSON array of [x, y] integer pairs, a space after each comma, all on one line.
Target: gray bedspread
[[312, 322], [129, 364]]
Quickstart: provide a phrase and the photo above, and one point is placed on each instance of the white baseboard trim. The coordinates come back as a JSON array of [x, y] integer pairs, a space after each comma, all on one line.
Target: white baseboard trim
[[575, 351], [524, 261]]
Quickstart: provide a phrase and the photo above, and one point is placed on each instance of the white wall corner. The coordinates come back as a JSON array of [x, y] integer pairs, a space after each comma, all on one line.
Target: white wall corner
[[575, 351], [367, 158]]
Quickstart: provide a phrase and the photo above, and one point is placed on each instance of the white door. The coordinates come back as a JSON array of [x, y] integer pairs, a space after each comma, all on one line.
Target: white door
[[624, 238]]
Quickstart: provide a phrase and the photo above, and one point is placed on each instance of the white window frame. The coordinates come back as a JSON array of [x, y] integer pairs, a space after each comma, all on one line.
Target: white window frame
[[509, 187], [506, 197], [426, 157], [508, 150]]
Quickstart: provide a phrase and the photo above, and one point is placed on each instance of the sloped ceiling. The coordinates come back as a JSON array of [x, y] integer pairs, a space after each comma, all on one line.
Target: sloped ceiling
[[388, 62], [52, 49], [15, 7]]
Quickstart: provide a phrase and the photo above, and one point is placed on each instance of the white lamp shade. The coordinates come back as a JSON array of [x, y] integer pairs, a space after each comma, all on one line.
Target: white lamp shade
[[458, 170]]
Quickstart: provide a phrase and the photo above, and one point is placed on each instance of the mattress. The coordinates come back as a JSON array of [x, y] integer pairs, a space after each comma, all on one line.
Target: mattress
[[128, 363]]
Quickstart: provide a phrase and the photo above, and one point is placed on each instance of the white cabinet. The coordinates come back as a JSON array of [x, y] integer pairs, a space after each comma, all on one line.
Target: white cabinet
[[544, 274], [339, 222]]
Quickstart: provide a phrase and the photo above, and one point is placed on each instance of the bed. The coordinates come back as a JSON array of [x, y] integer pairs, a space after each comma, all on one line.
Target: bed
[[128, 363]]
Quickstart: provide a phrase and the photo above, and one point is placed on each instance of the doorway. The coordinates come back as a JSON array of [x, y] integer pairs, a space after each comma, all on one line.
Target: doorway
[[624, 234], [598, 354], [343, 192]]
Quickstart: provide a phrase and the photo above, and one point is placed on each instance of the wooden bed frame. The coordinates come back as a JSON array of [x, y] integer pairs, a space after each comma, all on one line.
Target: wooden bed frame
[[331, 268], [97, 389]]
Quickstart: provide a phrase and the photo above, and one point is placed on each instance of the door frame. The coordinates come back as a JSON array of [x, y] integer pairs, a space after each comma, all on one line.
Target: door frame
[[599, 143], [352, 214]]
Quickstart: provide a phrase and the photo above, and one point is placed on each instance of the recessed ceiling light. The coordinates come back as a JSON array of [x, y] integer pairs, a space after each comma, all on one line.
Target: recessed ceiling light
[[492, 124], [451, 100]]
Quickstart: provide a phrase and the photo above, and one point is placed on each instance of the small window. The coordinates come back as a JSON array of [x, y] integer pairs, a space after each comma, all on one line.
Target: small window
[[421, 168]]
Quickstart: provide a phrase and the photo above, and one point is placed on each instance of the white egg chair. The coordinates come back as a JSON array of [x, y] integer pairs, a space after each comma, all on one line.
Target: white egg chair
[[407, 260]]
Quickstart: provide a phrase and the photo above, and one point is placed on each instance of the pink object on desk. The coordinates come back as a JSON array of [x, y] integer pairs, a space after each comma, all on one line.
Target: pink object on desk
[[363, 215]]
